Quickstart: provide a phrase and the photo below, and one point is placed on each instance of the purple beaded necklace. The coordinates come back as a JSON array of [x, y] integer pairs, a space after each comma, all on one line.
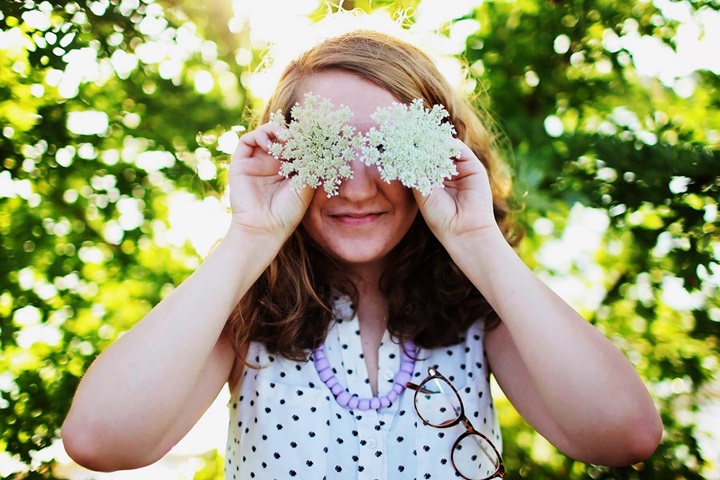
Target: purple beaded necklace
[[346, 399]]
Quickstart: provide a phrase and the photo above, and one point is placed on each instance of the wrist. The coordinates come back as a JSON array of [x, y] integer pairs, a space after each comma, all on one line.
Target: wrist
[[248, 237], [249, 247], [490, 263], [479, 243]]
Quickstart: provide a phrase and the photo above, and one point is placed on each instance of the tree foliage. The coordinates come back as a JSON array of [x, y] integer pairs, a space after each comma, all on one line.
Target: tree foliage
[[110, 110]]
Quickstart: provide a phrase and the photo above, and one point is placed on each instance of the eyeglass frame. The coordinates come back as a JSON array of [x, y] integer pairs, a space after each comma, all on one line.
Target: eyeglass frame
[[462, 418]]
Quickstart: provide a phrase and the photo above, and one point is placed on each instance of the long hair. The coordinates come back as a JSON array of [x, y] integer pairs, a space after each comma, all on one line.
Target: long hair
[[430, 300]]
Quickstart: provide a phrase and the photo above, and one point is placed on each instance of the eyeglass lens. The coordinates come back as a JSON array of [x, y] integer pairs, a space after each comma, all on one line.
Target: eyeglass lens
[[437, 404], [475, 458]]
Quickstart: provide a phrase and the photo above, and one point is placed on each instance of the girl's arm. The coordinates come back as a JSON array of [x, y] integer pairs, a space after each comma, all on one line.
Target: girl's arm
[[144, 393], [562, 375]]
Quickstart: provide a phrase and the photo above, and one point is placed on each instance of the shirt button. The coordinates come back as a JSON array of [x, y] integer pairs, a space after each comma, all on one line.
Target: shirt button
[[389, 375], [371, 443]]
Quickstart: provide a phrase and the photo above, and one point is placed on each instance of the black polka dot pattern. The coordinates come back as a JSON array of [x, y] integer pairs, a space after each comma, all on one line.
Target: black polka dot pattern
[[285, 423]]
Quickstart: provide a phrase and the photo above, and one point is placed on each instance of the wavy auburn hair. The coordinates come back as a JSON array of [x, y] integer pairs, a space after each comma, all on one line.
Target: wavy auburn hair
[[430, 299]]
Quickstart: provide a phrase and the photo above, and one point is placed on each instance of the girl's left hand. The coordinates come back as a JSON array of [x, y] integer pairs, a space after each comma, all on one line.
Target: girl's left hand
[[465, 205]]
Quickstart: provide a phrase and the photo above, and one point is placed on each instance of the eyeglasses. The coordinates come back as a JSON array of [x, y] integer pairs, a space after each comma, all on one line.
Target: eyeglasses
[[439, 405]]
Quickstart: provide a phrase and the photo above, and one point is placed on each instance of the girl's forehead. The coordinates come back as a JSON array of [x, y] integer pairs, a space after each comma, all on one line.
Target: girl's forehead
[[360, 95]]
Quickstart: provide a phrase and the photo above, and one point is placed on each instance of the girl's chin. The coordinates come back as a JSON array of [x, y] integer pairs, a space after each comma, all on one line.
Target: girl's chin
[[359, 257]]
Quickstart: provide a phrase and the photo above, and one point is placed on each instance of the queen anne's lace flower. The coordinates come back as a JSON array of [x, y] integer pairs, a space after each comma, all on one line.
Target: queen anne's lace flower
[[318, 146], [413, 145]]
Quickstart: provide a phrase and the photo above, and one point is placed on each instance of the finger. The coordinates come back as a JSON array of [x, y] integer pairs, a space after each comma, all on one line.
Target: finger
[[303, 195], [262, 138], [263, 165], [421, 199], [466, 153], [467, 162]]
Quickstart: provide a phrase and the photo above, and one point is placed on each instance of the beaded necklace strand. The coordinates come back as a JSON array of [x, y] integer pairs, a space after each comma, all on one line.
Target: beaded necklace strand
[[346, 399]]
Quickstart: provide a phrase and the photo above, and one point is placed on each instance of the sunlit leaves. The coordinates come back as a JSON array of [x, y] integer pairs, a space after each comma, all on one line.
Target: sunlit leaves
[[98, 101]]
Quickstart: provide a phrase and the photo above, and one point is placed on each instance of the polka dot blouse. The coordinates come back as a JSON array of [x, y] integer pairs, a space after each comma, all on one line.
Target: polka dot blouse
[[285, 423]]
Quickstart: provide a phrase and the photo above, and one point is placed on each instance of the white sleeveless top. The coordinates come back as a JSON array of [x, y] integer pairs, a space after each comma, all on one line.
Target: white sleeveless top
[[285, 423]]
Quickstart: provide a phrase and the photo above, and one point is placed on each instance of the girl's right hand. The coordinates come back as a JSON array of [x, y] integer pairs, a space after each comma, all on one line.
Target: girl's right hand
[[262, 200]]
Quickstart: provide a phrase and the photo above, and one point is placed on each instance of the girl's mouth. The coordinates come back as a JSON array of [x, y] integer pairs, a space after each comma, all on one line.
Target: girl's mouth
[[356, 220]]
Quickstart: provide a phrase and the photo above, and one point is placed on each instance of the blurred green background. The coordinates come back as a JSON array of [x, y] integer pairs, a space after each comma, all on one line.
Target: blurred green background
[[117, 117]]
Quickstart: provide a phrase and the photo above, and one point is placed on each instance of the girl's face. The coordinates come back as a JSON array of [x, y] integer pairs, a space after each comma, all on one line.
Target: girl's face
[[368, 218]]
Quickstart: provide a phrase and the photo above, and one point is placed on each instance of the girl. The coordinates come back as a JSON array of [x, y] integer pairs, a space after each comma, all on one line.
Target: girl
[[319, 311]]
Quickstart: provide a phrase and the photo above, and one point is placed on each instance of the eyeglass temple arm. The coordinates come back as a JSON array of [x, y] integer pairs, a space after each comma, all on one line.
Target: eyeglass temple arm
[[418, 388]]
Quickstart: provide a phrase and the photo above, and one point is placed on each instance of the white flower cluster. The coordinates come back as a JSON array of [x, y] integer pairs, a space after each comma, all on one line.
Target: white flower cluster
[[318, 144], [411, 144]]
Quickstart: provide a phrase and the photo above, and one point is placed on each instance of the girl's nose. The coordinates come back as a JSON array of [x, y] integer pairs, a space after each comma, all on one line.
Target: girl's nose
[[362, 185]]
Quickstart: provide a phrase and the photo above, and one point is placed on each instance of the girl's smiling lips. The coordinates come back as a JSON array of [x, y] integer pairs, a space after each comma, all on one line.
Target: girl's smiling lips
[[355, 219]]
